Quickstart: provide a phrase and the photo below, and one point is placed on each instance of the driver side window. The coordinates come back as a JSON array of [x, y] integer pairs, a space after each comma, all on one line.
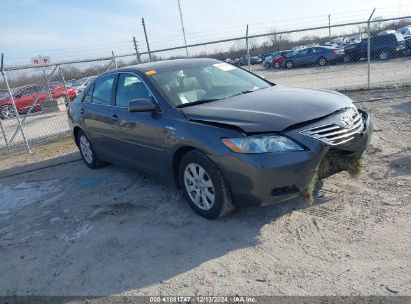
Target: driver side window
[[130, 87]]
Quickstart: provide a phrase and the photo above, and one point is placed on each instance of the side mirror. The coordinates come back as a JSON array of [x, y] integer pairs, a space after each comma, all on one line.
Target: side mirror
[[141, 105], [18, 95]]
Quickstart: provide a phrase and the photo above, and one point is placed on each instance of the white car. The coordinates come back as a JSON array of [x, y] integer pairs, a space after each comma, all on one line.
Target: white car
[[405, 30], [80, 84]]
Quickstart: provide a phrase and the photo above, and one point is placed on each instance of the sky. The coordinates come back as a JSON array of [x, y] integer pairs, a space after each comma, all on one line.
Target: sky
[[65, 29]]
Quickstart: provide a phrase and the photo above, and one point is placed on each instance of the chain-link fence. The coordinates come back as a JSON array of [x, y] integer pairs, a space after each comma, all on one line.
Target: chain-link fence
[[357, 55]]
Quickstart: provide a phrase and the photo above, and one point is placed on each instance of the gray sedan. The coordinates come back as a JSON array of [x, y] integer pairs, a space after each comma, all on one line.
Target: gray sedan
[[223, 135]]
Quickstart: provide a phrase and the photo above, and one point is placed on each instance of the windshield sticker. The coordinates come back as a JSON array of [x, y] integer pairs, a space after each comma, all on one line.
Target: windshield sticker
[[224, 66]]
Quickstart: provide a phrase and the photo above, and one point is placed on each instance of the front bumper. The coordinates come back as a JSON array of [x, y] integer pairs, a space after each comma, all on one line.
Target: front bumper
[[256, 179]]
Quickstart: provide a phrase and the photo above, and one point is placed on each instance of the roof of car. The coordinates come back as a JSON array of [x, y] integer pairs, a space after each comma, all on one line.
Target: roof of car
[[166, 64]]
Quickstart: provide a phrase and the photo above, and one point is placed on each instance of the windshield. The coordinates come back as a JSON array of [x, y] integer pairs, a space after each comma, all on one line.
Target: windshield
[[196, 83]]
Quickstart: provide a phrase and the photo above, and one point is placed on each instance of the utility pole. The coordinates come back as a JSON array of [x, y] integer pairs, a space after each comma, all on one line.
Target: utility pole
[[136, 48], [182, 26], [329, 26], [145, 34]]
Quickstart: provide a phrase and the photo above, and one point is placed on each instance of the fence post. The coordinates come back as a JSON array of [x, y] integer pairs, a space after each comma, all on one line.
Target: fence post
[[65, 87], [136, 48], [145, 34], [329, 26], [114, 59], [369, 50], [15, 111], [1, 125], [248, 49]]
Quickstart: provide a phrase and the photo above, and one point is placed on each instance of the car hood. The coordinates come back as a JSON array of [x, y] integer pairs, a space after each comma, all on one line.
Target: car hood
[[269, 110]]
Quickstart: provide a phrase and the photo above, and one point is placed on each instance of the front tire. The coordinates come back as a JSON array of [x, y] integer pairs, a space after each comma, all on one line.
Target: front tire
[[203, 185], [87, 152], [277, 65], [267, 65], [7, 111]]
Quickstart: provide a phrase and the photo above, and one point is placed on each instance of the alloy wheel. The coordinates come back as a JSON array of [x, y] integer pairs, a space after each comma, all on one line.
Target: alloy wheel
[[7, 111], [199, 186], [322, 61], [85, 149], [383, 55]]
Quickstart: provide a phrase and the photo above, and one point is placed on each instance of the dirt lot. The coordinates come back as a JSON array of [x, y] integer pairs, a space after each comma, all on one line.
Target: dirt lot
[[69, 230]]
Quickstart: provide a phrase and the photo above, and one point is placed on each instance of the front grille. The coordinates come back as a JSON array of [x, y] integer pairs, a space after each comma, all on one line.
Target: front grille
[[333, 134]]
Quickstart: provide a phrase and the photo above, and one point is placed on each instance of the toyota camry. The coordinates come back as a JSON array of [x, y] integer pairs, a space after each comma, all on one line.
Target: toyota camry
[[223, 135]]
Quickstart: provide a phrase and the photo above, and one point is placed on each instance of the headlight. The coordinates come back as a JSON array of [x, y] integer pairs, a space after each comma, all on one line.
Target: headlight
[[261, 144]]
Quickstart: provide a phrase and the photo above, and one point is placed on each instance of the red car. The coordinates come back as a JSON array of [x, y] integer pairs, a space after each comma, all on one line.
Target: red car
[[25, 97], [278, 61]]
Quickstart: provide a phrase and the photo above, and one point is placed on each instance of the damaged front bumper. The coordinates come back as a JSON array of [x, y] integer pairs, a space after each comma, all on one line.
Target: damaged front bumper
[[256, 179]]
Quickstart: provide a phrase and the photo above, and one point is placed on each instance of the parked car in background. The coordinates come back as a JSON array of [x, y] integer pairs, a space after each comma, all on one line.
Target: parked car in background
[[337, 42], [80, 84], [386, 32], [408, 46], [405, 31], [382, 47], [279, 59], [32, 96], [275, 60], [3, 94], [320, 55], [242, 61], [223, 135], [267, 61]]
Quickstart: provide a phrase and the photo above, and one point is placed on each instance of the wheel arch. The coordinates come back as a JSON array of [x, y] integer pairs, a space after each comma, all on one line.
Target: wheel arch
[[76, 130], [177, 156]]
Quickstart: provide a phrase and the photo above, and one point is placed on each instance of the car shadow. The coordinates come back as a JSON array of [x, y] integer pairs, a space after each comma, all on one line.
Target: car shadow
[[110, 231]]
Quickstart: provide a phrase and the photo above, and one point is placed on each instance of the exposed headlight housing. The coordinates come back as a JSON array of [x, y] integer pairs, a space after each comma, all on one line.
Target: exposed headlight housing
[[261, 144]]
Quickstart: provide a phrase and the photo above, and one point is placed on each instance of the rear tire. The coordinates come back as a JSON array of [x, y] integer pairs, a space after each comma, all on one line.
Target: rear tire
[[87, 152], [289, 64], [267, 65], [203, 185], [322, 61], [383, 55], [277, 65], [347, 59]]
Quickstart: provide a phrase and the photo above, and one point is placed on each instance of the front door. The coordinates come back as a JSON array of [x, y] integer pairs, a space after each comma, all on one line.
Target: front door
[[139, 135]]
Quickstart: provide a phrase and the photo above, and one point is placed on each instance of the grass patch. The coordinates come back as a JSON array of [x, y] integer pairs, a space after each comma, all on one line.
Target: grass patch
[[331, 165]]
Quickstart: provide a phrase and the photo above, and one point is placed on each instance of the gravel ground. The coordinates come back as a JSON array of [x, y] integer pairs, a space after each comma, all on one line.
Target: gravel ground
[[69, 230]]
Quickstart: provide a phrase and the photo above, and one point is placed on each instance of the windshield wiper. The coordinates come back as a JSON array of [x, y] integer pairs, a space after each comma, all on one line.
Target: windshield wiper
[[197, 102], [245, 92]]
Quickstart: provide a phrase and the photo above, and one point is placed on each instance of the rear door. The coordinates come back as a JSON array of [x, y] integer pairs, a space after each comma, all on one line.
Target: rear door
[[313, 55], [139, 135], [302, 57], [96, 115]]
